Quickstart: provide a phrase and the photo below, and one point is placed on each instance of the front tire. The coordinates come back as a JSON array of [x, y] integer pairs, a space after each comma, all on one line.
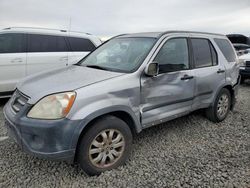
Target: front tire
[[105, 145], [221, 107]]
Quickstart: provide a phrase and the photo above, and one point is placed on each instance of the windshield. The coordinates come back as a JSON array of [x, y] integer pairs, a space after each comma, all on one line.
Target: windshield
[[120, 54]]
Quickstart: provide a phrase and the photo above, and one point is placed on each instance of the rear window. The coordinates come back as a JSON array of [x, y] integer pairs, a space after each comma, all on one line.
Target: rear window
[[12, 43], [226, 49], [46, 43], [80, 44]]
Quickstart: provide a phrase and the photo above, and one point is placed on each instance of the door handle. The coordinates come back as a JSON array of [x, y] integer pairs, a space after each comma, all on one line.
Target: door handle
[[16, 60], [220, 71], [186, 77], [64, 58]]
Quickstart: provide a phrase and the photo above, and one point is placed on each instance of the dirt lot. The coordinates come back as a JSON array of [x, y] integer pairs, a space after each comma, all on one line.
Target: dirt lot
[[187, 152]]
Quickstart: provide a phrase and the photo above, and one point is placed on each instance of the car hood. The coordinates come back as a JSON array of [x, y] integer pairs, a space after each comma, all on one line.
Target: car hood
[[60, 80]]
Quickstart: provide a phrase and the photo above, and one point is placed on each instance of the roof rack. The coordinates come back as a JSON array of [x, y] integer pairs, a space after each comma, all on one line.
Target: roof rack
[[195, 32], [35, 28], [61, 30]]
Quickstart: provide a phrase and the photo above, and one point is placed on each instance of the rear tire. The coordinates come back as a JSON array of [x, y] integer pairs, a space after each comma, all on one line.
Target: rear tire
[[221, 106], [105, 145]]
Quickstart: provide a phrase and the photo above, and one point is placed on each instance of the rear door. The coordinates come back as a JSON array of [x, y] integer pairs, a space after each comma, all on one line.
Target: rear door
[[80, 47], [46, 52], [208, 70], [12, 60]]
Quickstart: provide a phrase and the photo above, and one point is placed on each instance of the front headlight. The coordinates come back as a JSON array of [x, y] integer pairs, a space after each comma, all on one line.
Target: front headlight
[[54, 106]]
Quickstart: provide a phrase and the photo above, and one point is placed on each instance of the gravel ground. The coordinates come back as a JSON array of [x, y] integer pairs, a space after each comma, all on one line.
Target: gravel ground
[[187, 152]]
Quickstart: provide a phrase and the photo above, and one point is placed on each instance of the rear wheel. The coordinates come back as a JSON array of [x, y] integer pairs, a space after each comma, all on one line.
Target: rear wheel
[[220, 109], [105, 145]]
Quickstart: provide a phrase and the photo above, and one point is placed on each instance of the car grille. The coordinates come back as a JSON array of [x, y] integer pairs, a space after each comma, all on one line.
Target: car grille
[[18, 101], [247, 63]]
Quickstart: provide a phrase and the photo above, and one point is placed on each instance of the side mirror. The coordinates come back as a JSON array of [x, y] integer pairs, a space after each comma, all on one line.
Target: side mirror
[[152, 69]]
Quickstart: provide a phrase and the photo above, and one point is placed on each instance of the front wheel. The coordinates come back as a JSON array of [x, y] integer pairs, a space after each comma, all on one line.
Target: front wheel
[[221, 107], [105, 145]]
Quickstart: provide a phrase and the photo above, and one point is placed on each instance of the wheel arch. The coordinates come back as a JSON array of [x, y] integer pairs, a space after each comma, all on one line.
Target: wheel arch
[[122, 113], [230, 88], [232, 92]]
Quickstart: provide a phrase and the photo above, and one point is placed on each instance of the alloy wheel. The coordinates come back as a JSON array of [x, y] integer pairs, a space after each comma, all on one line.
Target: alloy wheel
[[106, 148], [223, 106]]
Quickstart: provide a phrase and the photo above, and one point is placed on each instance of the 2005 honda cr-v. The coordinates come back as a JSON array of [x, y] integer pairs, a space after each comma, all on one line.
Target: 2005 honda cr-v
[[88, 112]]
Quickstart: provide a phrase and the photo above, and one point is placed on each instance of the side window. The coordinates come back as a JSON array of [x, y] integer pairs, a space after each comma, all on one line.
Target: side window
[[202, 53], [12, 43], [61, 45], [226, 49], [41, 43], [80, 44], [173, 56], [214, 55]]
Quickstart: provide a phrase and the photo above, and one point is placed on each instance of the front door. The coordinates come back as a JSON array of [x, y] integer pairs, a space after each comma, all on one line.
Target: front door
[[169, 94]]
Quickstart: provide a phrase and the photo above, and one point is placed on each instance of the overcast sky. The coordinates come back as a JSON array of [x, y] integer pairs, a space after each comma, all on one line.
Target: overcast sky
[[112, 17]]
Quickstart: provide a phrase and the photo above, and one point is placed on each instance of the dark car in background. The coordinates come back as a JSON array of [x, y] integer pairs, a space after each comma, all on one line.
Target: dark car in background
[[239, 46], [238, 38], [240, 42]]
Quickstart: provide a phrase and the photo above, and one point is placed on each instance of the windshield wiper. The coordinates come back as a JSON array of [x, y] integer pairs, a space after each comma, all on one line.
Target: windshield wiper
[[96, 67]]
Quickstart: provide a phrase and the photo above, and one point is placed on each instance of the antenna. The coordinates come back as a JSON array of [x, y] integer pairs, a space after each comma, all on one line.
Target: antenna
[[69, 23]]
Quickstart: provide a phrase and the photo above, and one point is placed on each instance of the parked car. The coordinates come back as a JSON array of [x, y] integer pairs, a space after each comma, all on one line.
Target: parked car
[[240, 43], [25, 51], [244, 67], [247, 51], [239, 39], [87, 113], [241, 49]]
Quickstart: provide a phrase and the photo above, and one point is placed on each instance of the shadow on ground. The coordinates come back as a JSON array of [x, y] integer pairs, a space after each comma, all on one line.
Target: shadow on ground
[[3, 101]]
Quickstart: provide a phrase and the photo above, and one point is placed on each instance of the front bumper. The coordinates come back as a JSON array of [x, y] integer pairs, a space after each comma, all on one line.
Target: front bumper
[[50, 139], [245, 72]]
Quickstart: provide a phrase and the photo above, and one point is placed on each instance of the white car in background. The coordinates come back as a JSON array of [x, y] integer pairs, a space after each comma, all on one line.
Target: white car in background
[[25, 51], [244, 67]]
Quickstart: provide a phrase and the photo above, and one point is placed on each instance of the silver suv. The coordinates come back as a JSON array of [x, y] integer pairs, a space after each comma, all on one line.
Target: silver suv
[[87, 113]]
